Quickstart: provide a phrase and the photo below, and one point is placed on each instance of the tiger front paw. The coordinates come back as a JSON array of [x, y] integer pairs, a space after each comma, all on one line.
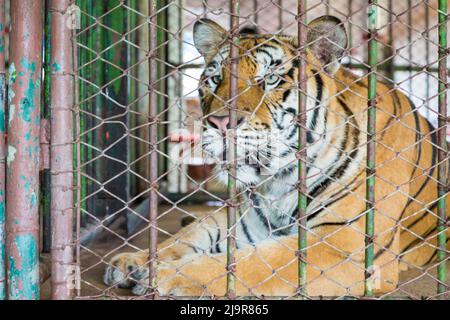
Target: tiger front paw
[[130, 271], [126, 270]]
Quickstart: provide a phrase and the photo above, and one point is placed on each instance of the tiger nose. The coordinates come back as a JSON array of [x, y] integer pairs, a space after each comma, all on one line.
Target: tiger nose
[[219, 122]]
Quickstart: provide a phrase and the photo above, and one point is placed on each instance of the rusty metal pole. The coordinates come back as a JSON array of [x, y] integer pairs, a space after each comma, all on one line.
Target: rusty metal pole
[[232, 149], [22, 221], [2, 153], [443, 149], [153, 137], [61, 152], [371, 146], [302, 143]]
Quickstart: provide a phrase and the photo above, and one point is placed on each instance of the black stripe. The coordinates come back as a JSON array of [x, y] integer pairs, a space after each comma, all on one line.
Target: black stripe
[[418, 137], [285, 171], [340, 171], [193, 248], [427, 180], [396, 102], [421, 217], [218, 240], [279, 126], [287, 228], [211, 240], [418, 240], [384, 248], [293, 132], [291, 111], [343, 195], [340, 223], [286, 94], [319, 96], [433, 256], [245, 229], [262, 217], [329, 224]]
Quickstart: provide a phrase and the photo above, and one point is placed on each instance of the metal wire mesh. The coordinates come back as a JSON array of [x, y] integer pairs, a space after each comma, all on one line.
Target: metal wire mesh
[[288, 175]]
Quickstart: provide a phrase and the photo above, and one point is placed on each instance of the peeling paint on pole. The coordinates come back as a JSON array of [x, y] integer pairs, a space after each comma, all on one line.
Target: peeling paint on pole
[[22, 221], [24, 268], [61, 148], [2, 154]]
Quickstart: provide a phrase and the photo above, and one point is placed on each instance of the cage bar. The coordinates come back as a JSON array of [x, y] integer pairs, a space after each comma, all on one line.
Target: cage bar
[[442, 141], [2, 153], [255, 11], [428, 60], [280, 14], [77, 155], [390, 51], [371, 145], [410, 47], [232, 149], [22, 222], [301, 155], [61, 149], [45, 175], [153, 140]]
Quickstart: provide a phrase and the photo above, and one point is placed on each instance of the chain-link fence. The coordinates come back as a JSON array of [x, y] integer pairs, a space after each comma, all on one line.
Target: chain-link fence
[[271, 148]]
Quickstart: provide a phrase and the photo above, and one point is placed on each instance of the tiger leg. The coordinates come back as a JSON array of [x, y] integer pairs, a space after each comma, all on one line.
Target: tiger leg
[[271, 269], [124, 269]]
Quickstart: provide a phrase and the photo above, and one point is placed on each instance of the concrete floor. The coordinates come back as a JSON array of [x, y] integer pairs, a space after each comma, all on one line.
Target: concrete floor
[[413, 285]]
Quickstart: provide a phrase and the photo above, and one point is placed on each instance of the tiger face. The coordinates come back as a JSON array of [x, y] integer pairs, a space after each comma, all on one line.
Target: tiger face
[[267, 94]]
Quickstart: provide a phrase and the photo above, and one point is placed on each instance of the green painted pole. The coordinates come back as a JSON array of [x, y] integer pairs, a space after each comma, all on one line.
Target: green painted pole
[[301, 156], [371, 145], [2, 154], [84, 73], [442, 141], [45, 198]]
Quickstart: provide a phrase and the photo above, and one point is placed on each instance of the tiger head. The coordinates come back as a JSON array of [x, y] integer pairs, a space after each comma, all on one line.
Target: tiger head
[[267, 93]]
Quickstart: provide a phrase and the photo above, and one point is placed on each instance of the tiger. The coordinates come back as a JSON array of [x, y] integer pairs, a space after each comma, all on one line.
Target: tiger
[[193, 261]]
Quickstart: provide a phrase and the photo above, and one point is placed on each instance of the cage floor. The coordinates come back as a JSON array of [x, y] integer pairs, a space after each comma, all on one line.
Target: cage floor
[[414, 285]]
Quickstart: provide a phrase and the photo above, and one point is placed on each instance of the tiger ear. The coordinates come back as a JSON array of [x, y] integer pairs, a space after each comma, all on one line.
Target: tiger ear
[[327, 40], [208, 36]]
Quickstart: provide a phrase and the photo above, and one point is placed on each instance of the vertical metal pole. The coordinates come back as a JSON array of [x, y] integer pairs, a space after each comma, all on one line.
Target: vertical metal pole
[[232, 140], [442, 141], [61, 150], [301, 155], [153, 110], [350, 28], [390, 47], [428, 57], [280, 15], [410, 47], [22, 221], [2, 154], [77, 153], [371, 142], [45, 176], [255, 11], [205, 8], [82, 57]]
